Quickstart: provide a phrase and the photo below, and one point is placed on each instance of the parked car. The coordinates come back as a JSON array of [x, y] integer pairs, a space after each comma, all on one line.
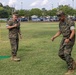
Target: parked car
[[73, 18], [36, 19], [54, 18], [24, 19]]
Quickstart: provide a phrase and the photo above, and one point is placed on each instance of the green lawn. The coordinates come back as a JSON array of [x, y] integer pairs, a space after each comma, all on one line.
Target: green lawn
[[39, 56]]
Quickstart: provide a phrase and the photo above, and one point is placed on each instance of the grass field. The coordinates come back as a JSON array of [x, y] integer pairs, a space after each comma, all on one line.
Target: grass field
[[39, 56]]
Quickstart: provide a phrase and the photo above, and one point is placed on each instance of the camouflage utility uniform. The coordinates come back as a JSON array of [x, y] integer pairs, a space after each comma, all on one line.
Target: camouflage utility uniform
[[66, 48], [13, 36]]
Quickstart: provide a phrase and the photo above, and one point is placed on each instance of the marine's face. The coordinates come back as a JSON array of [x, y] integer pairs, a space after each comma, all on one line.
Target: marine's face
[[62, 18], [15, 17]]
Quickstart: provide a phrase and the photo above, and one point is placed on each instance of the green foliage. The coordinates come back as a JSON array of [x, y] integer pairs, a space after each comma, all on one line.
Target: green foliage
[[9, 9], [23, 13], [44, 12], [3, 13], [6, 11], [35, 11], [27, 13], [67, 9], [52, 12], [1, 5]]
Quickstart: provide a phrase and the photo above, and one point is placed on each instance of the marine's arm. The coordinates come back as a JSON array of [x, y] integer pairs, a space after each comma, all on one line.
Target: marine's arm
[[19, 31], [72, 34], [10, 27], [72, 28], [20, 34], [56, 35]]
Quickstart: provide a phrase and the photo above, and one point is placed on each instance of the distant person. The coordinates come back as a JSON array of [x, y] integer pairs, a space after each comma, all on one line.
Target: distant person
[[13, 25], [67, 29]]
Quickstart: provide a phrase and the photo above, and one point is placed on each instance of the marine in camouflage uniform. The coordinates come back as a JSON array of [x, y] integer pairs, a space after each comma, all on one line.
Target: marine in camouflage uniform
[[67, 29], [14, 31]]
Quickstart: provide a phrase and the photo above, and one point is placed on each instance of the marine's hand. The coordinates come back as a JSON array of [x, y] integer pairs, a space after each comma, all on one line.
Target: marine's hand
[[20, 36], [67, 40], [15, 25], [52, 38]]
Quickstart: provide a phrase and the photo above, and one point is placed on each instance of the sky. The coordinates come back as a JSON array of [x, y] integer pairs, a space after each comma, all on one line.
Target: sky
[[29, 4]]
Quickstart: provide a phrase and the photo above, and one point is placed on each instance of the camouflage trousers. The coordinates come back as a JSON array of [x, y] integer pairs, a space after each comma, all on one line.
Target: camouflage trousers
[[14, 46], [65, 54]]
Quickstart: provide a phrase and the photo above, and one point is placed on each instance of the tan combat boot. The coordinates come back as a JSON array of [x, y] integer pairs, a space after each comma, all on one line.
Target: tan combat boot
[[15, 58], [69, 72]]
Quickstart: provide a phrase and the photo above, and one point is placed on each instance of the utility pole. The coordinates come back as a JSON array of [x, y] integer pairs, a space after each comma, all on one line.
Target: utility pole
[[58, 6], [52, 6], [14, 8], [73, 4], [21, 5]]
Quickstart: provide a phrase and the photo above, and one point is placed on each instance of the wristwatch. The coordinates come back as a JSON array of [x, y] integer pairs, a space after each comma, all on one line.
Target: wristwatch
[[69, 39]]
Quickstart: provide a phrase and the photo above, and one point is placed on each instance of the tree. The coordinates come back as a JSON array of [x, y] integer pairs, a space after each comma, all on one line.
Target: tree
[[21, 12], [44, 12], [35, 11], [52, 12], [9, 9], [3, 13], [67, 9], [49, 12], [1, 5], [6, 11], [27, 13]]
